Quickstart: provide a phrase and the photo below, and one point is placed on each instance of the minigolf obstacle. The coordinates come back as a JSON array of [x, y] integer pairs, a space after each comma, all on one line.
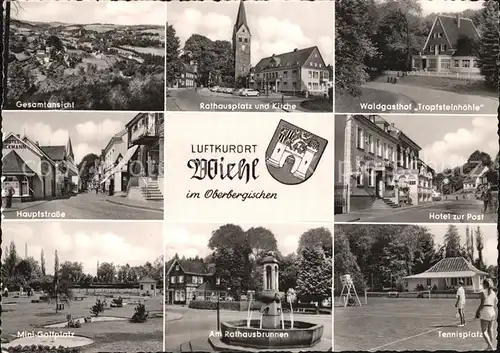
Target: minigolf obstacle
[[348, 294]]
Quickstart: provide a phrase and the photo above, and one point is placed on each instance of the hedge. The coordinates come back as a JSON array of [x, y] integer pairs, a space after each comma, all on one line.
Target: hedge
[[40, 348], [234, 305]]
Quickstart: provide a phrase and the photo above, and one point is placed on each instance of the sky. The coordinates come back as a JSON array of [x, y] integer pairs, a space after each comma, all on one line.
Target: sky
[[430, 6], [191, 239], [90, 132], [119, 12], [452, 139], [276, 26], [116, 242], [490, 238]]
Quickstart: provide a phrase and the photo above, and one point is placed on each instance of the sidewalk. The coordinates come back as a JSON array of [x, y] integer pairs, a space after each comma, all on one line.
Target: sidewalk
[[20, 206], [124, 201], [371, 213]]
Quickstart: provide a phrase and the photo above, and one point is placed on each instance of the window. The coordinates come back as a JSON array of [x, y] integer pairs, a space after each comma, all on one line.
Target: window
[[181, 279], [194, 280], [440, 34], [310, 74], [359, 177], [443, 47], [319, 65], [217, 281], [432, 48], [456, 63], [240, 39], [246, 40], [310, 63], [315, 74], [445, 64], [294, 73], [429, 282], [474, 63], [379, 148], [371, 177], [386, 151], [177, 267], [391, 154], [172, 279], [370, 144], [360, 143], [466, 63], [309, 85], [200, 280], [152, 287]]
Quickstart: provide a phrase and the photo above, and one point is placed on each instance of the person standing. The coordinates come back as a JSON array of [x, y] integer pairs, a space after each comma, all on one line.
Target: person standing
[[460, 303], [486, 312], [486, 197]]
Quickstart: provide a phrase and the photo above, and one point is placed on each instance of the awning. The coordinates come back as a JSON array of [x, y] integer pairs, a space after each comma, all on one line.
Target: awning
[[126, 158]]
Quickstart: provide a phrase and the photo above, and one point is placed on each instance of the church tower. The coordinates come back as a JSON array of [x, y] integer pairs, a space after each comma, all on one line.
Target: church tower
[[241, 44]]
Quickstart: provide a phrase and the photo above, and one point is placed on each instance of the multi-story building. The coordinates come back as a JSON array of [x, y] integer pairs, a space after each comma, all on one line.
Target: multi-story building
[[379, 168], [191, 279], [145, 156], [242, 40], [301, 70], [37, 172], [449, 46], [476, 178], [115, 179]]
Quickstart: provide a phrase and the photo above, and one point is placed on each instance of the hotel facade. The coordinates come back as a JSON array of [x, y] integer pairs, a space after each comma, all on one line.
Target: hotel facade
[[379, 167], [37, 172]]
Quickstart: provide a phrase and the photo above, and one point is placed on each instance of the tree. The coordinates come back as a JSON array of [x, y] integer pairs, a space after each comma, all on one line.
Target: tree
[[174, 67], [479, 246], [56, 280], [425, 255], [489, 46], [317, 237], [11, 260], [72, 271], [344, 260], [42, 263], [452, 242], [288, 272], [353, 28], [106, 273], [261, 239], [314, 280], [89, 167]]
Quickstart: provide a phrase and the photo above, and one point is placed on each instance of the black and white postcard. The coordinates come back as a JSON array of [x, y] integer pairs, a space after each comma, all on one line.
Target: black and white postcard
[[416, 169], [248, 287], [415, 288], [82, 287], [69, 165], [436, 57], [236, 55], [85, 55]]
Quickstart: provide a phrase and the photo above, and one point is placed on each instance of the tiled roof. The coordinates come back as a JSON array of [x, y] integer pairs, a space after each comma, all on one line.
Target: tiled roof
[[147, 280], [13, 164], [56, 153], [477, 172], [191, 266], [453, 264], [453, 32], [189, 68], [293, 59]]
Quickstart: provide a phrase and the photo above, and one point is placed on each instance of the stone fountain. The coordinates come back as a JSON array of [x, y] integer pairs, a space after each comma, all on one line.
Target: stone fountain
[[271, 331]]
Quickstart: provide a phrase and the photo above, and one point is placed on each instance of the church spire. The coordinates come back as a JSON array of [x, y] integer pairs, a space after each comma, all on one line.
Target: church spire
[[241, 19]]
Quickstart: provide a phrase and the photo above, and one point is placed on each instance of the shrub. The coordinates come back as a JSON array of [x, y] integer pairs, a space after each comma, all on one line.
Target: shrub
[[42, 349], [140, 315], [74, 324], [117, 303], [212, 305], [97, 308]]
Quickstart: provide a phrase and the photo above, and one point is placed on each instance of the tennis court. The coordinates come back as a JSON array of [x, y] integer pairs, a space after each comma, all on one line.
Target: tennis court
[[401, 324]]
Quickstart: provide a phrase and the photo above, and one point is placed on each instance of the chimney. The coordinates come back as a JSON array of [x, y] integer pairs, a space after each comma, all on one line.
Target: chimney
[[295, 50], [272, 55], [37, 143], [18, 136], [458, 20]]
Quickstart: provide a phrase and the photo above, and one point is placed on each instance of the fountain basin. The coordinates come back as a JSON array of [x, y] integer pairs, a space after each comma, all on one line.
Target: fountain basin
[[45, 339], [302, 335]]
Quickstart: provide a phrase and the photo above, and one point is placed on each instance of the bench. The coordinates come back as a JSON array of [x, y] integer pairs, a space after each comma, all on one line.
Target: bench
[[78, 298]]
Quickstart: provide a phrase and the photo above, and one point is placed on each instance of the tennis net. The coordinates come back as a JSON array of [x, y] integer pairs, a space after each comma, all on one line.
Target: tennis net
[[397, 295]]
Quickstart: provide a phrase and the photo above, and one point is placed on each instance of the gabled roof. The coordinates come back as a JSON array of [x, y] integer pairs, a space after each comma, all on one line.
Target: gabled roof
[[56, 153], [189, 68], [241, 18], [452, 31], [13, 164], [294, 59], [452, 267], [477, 172], [190, 266]]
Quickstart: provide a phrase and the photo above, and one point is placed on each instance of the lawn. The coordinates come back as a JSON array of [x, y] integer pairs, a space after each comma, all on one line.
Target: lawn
[[318, 104], [408, 324], [448, 84], [108, 336]]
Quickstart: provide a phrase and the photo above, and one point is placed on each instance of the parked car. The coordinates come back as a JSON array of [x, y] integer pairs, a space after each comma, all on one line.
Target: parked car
[[249, 92], [214, 89], [237, 91]]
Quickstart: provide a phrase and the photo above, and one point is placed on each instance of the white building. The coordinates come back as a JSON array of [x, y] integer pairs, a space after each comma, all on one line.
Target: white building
[[114, 152]]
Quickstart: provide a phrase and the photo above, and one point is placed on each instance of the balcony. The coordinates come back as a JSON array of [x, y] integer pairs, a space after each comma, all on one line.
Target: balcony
[[145, 131]]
